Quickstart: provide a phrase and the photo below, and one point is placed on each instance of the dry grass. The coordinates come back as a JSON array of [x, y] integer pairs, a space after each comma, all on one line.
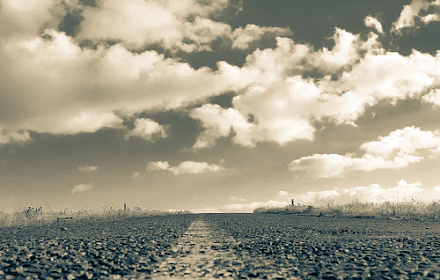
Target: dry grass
[[413, 210], [27, 217]]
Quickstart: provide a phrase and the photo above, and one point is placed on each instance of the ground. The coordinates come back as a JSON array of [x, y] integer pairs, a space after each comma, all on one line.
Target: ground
[[223, 246]]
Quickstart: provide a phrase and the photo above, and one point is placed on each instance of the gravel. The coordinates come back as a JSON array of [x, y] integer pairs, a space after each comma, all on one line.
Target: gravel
[[128, 248], [223, 246]]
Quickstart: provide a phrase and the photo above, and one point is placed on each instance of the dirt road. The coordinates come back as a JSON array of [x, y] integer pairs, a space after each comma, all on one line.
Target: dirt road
[[232, 246]]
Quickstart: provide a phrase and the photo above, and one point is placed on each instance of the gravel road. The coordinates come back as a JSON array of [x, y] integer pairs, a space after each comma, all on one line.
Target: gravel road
[[223, 246]]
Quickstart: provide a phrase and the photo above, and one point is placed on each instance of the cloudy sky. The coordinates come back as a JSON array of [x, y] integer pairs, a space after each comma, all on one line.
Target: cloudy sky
[[221, 105]]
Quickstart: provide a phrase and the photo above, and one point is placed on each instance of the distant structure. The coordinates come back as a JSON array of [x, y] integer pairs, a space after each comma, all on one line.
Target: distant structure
[[293, 202], [125, 206]]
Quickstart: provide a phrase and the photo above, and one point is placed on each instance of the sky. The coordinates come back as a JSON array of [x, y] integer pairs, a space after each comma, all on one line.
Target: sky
[[218, 106]]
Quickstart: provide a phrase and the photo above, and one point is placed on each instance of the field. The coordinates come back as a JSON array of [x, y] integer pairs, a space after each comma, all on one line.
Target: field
[[222, 246]]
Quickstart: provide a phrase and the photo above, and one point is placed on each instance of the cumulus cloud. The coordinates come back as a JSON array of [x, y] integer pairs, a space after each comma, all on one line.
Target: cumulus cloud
[[148, 130], [21, 17], [411, 12], [50, 84], [403, 191], [158, 165], [219, 122], [242, 38], [373, 22], [433, 97], [399, 149], [88, 168], [278, 103], [184, 25], [69, 90], [137, 23], [430, 18], [345, 51], [186, 167], [81, 188]]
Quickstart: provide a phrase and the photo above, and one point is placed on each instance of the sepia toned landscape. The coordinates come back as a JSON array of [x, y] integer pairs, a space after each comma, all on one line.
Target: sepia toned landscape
[[219, 139]]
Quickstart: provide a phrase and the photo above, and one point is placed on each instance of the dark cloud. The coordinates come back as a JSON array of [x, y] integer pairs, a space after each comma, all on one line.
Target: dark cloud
[[70, 22]]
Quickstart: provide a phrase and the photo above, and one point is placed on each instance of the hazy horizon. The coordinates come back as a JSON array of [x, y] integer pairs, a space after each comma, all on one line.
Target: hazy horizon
[[217, 106]]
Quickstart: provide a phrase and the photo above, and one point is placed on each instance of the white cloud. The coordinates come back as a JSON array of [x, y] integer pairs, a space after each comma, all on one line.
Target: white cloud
[[158, 165], [186, 167], [282, 112], [243, 37], [321, 165], [282, 194], [219, 122], [345, 51], [433, 97], [373, 22], [51, 85], [192, 167], [399, 149], [133, 21], [13, 137], [86, 122], [19, 17], [81, 188], [69, 90], [390, 76], [88, 168], [148, 129], [278, 104], [411, 12], [430, 18], [183, 25], [403, 191]]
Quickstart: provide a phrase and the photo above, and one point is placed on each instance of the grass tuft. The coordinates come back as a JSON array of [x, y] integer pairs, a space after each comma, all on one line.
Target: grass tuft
[[412, 210], [36, 216]]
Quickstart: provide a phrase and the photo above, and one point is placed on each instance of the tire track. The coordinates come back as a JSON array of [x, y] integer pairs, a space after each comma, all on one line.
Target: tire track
[[201, 253]]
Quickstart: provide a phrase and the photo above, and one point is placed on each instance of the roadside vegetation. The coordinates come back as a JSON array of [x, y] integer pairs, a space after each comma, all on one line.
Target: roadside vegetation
[[412, 210], [36, 216]]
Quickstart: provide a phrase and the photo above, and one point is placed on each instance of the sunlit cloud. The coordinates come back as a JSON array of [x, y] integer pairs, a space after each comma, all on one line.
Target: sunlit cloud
[[185, 167], [81, 188], [399, 149], [148, 130], [373, 22], [411, 12]]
